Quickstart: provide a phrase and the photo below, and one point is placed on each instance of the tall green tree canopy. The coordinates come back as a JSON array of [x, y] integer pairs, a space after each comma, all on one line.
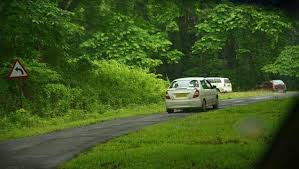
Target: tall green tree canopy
[[234, 39], [287, 63]]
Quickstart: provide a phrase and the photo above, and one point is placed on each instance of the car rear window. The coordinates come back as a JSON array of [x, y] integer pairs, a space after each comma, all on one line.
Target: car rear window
[[226, 81], [184, 83], [277, 82]]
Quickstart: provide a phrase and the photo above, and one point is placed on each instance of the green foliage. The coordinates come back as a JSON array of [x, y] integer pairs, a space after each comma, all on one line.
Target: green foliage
[[28, 28], [104, 84], [164, 15], [238, 38], [19, 119], [287, 63], [117, 85], [130, 44], [63, 47], [231, 19]]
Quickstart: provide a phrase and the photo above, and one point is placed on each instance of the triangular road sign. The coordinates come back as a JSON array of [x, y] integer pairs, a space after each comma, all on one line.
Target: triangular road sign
[[18, 71]]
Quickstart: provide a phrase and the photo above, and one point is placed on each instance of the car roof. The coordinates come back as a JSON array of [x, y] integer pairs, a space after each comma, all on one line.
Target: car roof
[[190, 78], [217, 78], [277, 81]]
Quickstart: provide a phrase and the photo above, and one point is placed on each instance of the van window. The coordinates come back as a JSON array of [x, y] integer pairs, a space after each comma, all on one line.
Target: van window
[[214, 80], [217, 80], [226, 81], [211, 80]]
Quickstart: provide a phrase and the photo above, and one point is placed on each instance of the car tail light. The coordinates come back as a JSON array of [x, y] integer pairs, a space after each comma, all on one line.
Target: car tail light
[[167, 95], [196, 93]]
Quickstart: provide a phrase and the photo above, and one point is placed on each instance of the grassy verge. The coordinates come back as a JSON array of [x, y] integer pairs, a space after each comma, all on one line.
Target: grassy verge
[[228, 138], [253, 93], [42, 126]]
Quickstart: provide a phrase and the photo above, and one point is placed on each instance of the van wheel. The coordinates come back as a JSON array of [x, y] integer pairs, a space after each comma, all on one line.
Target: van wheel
[[204, 106], [216, 105], [169, 110]]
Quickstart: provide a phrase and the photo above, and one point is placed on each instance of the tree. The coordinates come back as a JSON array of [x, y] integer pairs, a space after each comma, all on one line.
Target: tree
[[242, 38], [29, 28], [128, 41], [287, 64]]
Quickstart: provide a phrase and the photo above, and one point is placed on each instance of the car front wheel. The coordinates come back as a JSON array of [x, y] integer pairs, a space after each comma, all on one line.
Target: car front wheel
[[216, 105], [204, 106], [169, 110]]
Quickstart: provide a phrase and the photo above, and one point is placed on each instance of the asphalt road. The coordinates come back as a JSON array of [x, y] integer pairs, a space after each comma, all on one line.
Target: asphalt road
[[49, 150]]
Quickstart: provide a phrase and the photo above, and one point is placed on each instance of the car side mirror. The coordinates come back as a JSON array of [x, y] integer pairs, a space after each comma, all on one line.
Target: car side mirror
[[214, 87]]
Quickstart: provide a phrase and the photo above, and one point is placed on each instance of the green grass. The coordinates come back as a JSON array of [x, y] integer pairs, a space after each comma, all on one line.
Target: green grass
[[228, 138], [42, 126], [253, 93]]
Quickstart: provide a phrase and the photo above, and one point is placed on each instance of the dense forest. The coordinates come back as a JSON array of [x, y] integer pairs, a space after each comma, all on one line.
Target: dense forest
[[99, 54]]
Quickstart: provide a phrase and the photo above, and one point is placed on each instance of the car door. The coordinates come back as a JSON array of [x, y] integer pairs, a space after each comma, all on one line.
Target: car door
[[207, 93], [212, 93]]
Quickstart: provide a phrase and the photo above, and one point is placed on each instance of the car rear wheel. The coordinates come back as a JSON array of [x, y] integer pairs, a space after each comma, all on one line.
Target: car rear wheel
[[204, 106], [216, 105], [169, 110]]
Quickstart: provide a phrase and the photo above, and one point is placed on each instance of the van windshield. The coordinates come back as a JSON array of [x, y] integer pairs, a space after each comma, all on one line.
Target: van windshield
[[184, 84]]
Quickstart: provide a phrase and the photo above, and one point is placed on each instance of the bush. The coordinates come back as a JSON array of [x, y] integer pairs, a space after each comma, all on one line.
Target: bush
[[119, 85], [18, 119], [82, 85], [114, 84]]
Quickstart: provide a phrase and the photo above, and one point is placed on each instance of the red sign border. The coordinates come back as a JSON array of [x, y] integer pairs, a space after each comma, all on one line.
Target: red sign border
[[20, 77]]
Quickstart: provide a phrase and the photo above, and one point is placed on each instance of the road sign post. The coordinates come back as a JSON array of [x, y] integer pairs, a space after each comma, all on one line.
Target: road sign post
[[18, 72]]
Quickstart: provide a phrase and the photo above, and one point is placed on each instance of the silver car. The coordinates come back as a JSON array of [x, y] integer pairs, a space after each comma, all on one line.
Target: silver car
[[191, 92]]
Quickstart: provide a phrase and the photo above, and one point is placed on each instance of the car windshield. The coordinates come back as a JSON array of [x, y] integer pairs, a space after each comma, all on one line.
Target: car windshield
[[184, 83]]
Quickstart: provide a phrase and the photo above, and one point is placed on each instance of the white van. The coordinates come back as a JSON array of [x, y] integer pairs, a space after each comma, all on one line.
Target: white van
[[222, 84]]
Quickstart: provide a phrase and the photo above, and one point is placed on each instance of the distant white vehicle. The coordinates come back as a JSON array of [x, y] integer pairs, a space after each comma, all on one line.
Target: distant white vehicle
[[222, 84], [191, 92]]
